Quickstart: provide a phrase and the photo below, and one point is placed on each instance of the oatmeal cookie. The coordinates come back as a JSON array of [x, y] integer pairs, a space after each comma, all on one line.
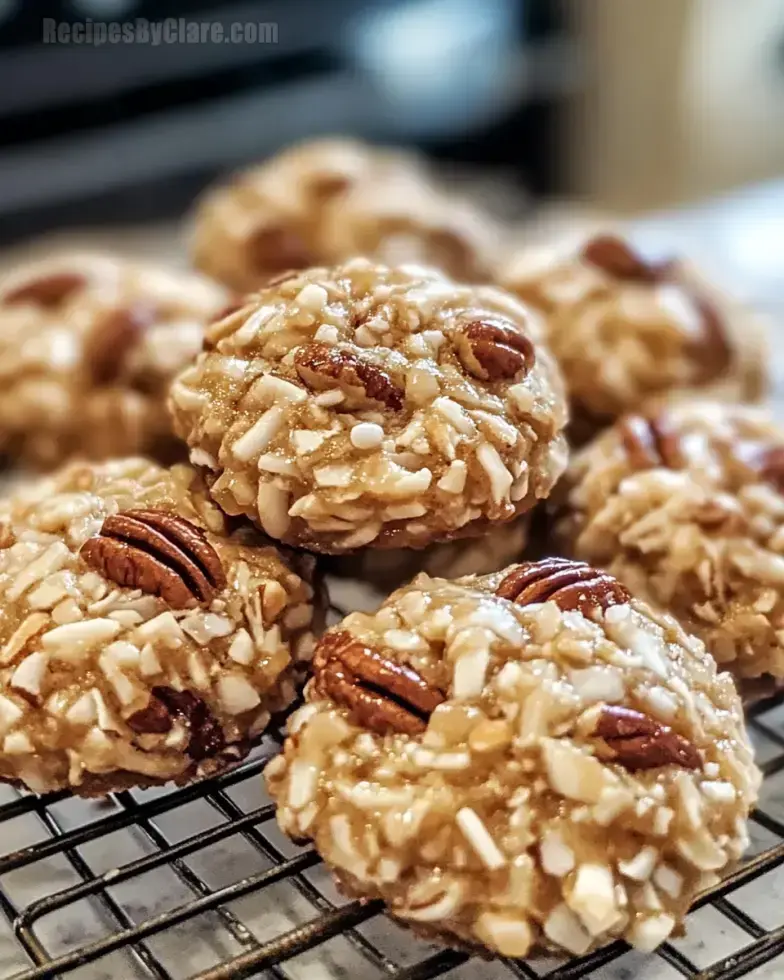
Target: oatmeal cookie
[[686, 506], [521, 760], [140, 641], [625, 330], [368, 406], [328, 200], [88, 347]]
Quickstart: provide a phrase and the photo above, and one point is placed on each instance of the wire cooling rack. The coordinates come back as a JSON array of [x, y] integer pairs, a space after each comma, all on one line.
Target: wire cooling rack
[[198, 883]]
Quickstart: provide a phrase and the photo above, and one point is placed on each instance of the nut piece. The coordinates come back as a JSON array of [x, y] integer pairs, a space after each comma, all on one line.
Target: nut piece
[[570, 584], [113, 338], [322, 367], [651, 442], [384, 696], [152, 720], [207, 736], [615, 257], [160, 553], [493, 351], [635, 741], [47, 290]]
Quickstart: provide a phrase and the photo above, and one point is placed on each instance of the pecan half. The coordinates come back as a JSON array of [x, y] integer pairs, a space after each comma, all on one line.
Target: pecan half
[[206, 734], [617, 258], [160, 553], [651, 442], [493, 350], [46, 290], [382, 695], [636, 741], [570, 584], [277, 248], [322, 367], [113, 338]]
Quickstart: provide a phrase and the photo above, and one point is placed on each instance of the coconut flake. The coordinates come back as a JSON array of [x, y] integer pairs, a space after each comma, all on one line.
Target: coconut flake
[[556, 856], [149, 664], [510, 935], [640, 867], [17, 743], [500, 477], [82, 711], [30, 673], [442, 907], [10, 713], [28, 628], [669, 880], [598, 683], [163, 629], [241, 649], [272, 503], [121, 654], [593, 898], [303, 783], [444, 761], [647, 934], [236, 694], [563, 928], [333, 475], [479, 838], [259, 435], [454, 479], [53, 559], [470, 672], [74, 640], [719, 792]]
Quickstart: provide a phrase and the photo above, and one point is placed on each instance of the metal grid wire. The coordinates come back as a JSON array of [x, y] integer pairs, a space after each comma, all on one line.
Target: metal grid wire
[[198, 883]]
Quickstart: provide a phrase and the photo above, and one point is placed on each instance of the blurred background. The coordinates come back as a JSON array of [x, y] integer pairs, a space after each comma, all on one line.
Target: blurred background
[[619, 106]]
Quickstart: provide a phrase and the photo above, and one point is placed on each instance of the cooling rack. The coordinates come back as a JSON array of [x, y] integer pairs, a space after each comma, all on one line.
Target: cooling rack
[[199, 884]]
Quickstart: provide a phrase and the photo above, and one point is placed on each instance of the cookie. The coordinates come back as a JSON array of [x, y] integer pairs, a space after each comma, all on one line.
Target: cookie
[[140, 641], [369, 406], [686, 506], [625, 329], [524, 760], [88, 347], [328, 200]]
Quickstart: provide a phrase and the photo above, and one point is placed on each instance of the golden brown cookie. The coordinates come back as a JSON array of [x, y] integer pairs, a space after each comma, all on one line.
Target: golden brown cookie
[[140, 640], [88, 347], [686, 506], [328, 200], [369, 406], [625, 329], [521, 760]]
